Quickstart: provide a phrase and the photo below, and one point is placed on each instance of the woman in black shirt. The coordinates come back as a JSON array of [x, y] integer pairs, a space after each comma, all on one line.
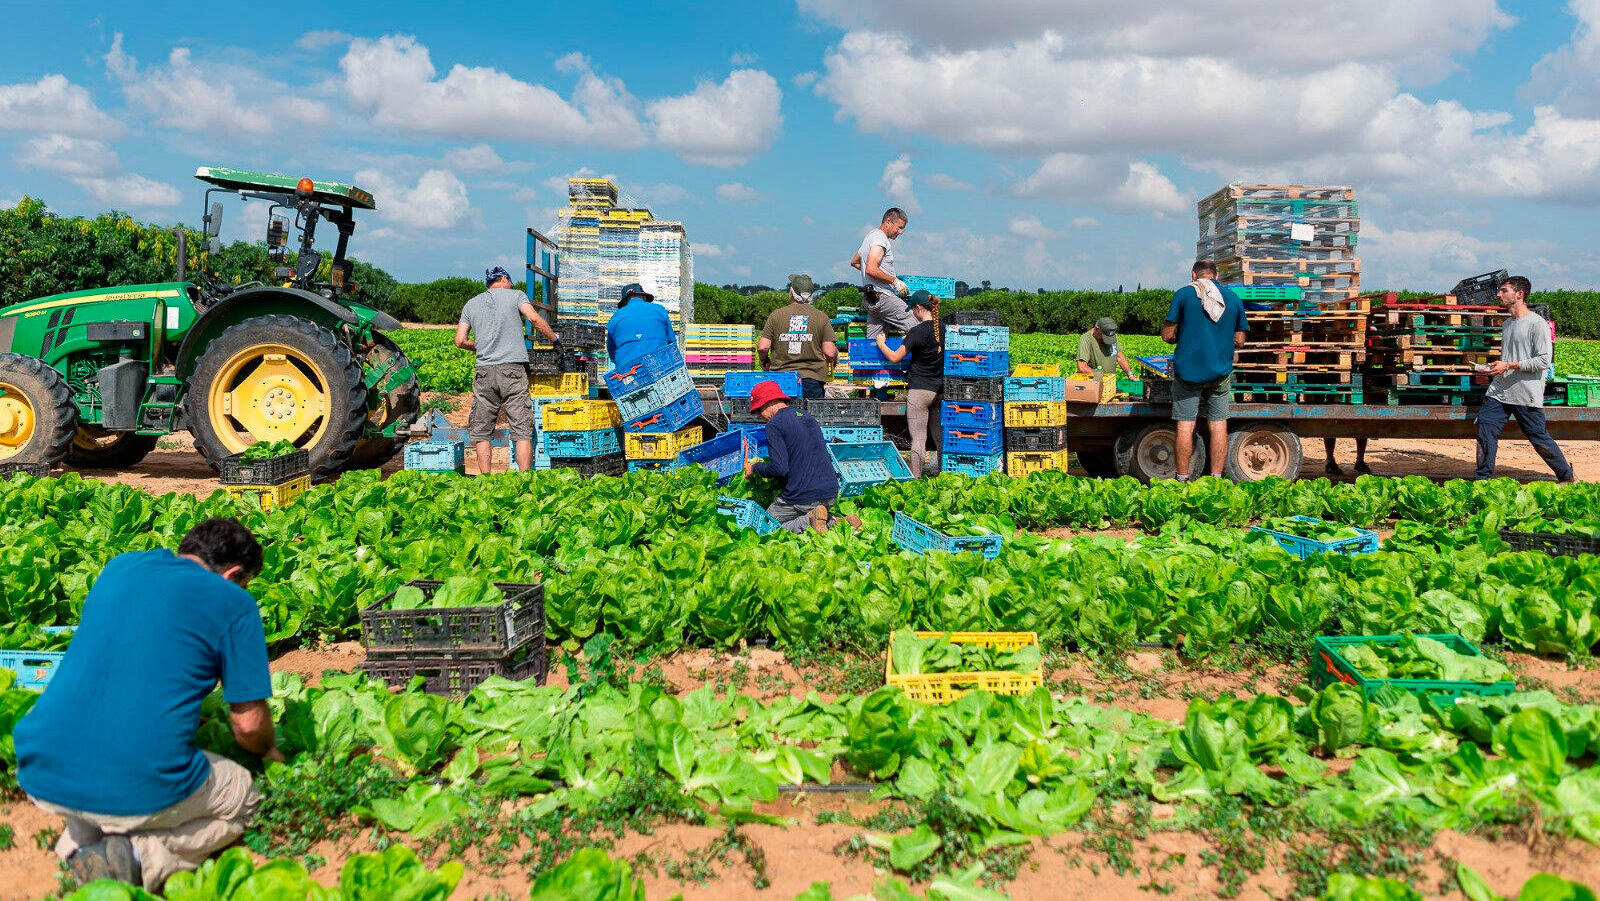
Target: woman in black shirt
[[924, 377]]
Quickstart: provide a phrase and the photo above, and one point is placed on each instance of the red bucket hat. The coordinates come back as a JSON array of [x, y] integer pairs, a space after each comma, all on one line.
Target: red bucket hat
[[764, 393]]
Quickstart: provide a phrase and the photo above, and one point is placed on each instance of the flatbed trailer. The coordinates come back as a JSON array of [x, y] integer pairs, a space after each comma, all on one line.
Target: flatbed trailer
[[1138, 439]]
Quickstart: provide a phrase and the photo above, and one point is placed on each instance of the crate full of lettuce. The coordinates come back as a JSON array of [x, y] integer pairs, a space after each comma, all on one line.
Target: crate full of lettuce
[[1445, 666], [459, 614], [938, 667]]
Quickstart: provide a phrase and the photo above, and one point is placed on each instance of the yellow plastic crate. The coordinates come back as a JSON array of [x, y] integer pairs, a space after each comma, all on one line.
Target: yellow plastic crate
[[1020, 463], [942, 688], [1036, 370], [1035, 413], [567, 384], [580, 416], [270, 497], [659, 445]]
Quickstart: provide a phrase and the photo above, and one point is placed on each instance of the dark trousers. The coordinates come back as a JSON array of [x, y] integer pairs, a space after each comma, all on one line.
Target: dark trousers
[[811, 388], [1492, 418]]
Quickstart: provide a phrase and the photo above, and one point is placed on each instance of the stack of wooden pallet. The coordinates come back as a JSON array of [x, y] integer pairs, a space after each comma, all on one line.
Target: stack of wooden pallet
[[1284, 235], [1429, 349], [1299, 352]]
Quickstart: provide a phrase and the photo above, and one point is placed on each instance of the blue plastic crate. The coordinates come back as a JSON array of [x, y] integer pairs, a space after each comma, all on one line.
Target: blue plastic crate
[[973, 441], [914, 536], [864, 353], [645, 371], [937, 285], [977, 337], [33, 668], [655, 396], [723, 455], [974, 465], [669, 418], [651, 465], [1036, 388], [1366, 542], [738, 384], [1161, 365], [970, 414], [436, 456], [976, 364], [861, 466], [755, 433], [748, 514], [851, 434], [593, 443]]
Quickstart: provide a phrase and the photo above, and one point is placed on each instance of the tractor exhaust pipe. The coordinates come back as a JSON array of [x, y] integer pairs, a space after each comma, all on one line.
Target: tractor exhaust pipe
[[183, 251]]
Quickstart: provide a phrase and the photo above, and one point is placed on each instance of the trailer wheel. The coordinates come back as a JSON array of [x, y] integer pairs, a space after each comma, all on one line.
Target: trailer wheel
[[1152, 452], [1256, 451]]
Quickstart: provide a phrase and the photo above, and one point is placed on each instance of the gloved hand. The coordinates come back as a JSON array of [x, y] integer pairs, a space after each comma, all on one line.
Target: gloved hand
[[555, 340], [901, 289]]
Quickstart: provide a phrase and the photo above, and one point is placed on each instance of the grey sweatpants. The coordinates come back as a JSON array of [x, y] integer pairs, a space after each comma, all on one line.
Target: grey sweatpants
[[793, 517], [922, 419], [887, 308]]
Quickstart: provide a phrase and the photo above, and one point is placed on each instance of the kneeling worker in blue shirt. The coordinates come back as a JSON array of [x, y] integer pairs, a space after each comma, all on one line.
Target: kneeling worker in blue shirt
[[799, 456], [110, 745]]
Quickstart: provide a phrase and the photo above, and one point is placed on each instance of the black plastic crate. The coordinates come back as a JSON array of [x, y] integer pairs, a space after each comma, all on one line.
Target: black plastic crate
[[971, 317], [744, 416], [546, 361], [454, 675], [1480, 289], [845, 411], [991, 391], [581, 335], [1543, 309], [1039, 438], [1158, 391], [272, 471], [482, 632], [1554, 545], [608, 465], [581, 361], [37, 470]]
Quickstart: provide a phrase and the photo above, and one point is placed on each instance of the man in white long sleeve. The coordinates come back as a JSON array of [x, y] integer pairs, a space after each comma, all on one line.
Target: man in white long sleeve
[[1518, 386]]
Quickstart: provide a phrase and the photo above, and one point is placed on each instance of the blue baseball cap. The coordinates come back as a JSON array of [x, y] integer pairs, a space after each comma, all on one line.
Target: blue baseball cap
[[494, 274]]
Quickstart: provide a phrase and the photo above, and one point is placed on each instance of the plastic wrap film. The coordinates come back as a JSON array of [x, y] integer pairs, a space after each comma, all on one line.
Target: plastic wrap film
[[1284, 235]]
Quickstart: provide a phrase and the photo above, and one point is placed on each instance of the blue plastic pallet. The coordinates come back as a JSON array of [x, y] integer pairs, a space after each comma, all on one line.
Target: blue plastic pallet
[[851, 434], [970, 414], [864, 353], [738, 384], [980, 442], [723, 455], [654, 396], [860, 466], [1366, 542], [748, 514], [592, 443], [976, 364], [436, 456], [914, 536], [975, 465], [977, 337], [1036, 388], [645, 371], [670, 418], [33, 668]]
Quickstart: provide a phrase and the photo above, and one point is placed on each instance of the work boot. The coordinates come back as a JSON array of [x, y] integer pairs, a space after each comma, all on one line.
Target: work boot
[[111, 858], [1333, 469], [819, 518], [1362, 469]]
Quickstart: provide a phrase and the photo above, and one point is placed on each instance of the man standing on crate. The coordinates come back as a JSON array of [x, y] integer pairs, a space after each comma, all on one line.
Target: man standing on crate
[[924, 378], [110, 747], [799, 338], [1518, 386], [638, 328], [1206, 321], [881, 289], [500, 379], [797, 455], [1098, 353]]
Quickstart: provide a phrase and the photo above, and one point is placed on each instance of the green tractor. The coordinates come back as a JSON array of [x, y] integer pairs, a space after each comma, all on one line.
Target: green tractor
[[95, 377]]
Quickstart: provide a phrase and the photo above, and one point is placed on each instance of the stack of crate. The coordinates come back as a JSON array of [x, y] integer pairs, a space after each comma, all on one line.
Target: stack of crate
[[454, 649], [1428, 349], [582, 434], [1298, 351], [1036, 419], [656, 396], [856, 420], [977, 356], [605, 246], [713, 349], [1284, 235], [271, 483], [736, 387], [867, 364]]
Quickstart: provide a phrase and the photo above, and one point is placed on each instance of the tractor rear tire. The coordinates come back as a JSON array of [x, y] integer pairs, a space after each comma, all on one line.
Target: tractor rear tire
[[295, 378], [95, 448], [37, 415], [400, 406]]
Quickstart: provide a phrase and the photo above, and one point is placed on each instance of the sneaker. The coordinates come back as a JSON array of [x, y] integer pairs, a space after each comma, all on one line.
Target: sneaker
[[111, 858], [1333, 469], [819, 518]]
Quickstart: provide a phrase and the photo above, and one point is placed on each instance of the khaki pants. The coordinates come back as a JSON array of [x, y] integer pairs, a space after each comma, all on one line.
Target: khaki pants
[[178, 838]]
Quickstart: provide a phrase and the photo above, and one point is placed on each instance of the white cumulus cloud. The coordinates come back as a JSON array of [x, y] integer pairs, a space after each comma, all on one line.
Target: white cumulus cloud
[[1031, 227], [946, 182], [223, 100], [720, 124], [1128, 187], [737, 192], [439, 199], [129, 191], [896, 184], [477, 158], [53, 105]]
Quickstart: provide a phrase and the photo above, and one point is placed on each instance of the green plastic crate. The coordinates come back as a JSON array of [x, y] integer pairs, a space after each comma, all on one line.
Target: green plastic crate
[[1582, 392], [1329, 666], [1131, 387]]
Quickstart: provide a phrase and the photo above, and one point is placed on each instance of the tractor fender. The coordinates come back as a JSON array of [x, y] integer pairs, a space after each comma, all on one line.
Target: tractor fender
[[252, 302]]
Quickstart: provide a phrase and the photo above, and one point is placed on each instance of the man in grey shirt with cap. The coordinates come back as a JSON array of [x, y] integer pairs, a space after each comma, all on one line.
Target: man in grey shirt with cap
[[500, 380], [1098, 352], [1518, 386]]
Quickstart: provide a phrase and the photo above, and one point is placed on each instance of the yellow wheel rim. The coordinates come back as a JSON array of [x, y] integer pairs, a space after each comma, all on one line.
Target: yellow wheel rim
[[91, 438], [17, 422], [269, 392]]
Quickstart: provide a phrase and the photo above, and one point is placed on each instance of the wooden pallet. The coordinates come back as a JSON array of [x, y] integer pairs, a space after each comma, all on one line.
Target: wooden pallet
[[1453, 379], [1434, 359], [1298, 356], [1273, 192], [1347, 266], [1419, 320]]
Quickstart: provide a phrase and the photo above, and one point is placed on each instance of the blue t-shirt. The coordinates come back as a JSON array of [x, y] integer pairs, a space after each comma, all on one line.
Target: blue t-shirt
[[1205, 349], [798, 454], [635, 330], [114, 731]]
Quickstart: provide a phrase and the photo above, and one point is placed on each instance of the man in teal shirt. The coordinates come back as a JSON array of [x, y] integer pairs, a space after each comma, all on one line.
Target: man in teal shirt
[[110, 745], [1206, 321]]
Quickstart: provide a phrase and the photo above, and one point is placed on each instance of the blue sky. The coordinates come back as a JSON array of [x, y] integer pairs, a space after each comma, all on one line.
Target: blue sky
[[1053, 143]]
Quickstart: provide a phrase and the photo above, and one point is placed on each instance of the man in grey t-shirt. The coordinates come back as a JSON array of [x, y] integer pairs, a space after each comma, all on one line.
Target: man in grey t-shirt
[[881, 289], [500, 379], [1518, 386]]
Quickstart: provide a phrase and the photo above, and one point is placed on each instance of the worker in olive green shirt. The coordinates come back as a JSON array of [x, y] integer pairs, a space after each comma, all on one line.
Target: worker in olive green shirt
[[1098, 353]]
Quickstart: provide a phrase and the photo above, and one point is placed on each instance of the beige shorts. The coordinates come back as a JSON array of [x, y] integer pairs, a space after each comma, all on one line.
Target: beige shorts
[[496, 388]]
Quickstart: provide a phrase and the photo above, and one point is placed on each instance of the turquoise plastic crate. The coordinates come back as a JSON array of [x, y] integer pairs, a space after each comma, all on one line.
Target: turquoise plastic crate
[[33, 668], [436, 456], [673, 416], [1365, 543], [977, 337], [651, 465], [916, 537], [975, 465], [1036, 388], [654, 396], [851, 434], [748, 514], [861, 466], [592, 443], [645, 371], [738, 384], [1328, 666], [938, 285]]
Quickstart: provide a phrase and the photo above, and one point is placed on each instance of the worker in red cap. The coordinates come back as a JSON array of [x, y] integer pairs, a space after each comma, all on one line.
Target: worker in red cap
[[797, 455]]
